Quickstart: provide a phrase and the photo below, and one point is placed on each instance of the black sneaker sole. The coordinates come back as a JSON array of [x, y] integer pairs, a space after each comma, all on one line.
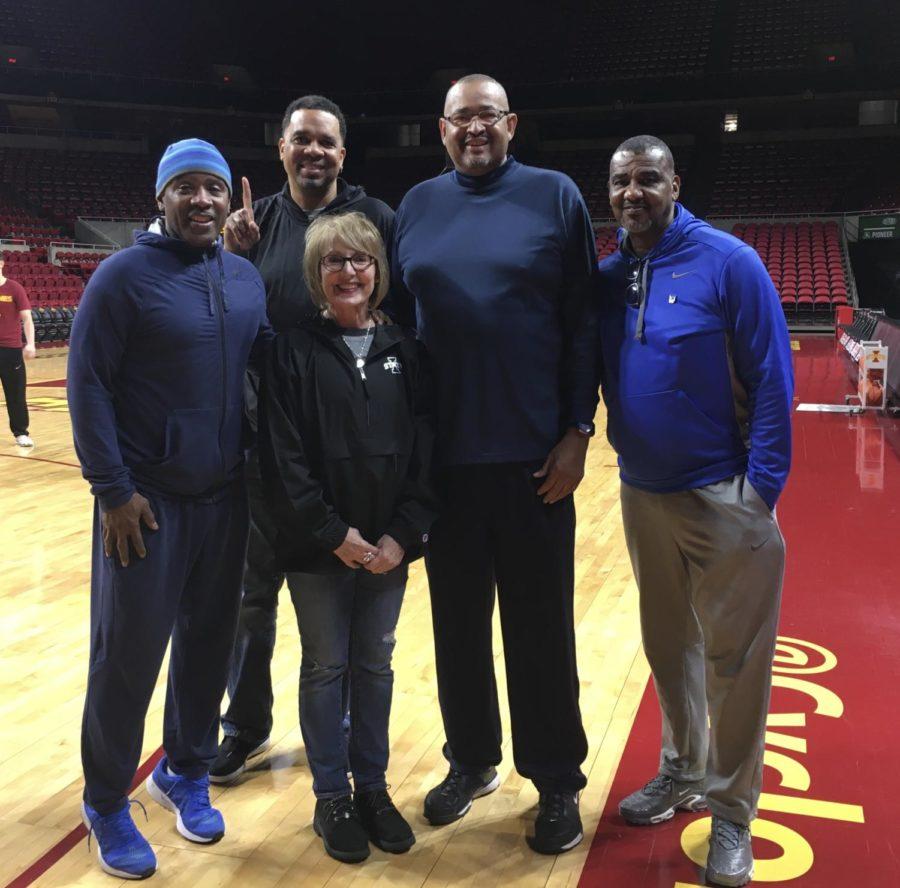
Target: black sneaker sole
[[394, 847], [445, 819], [342, 856], [233, 775], [553, 849]]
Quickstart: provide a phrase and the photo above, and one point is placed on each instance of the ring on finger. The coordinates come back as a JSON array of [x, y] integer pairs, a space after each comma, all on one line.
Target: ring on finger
[[368, 557]]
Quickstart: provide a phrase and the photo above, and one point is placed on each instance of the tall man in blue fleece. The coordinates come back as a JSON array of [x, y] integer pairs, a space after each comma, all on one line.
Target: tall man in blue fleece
[[698, 386], [159, 348], [499, 260]]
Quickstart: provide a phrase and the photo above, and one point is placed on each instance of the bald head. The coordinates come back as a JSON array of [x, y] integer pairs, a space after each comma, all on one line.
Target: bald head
[[477, 125], [484, 81]]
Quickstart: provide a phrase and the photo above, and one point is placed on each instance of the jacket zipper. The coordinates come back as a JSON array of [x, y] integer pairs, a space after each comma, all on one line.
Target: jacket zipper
[[220, 310]]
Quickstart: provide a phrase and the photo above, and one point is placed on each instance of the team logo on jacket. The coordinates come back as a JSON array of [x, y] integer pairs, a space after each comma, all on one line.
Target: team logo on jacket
[[392, 365], [672, 298]]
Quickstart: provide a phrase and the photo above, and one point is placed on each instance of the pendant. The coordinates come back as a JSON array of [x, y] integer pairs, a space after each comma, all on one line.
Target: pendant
[[360, 364]]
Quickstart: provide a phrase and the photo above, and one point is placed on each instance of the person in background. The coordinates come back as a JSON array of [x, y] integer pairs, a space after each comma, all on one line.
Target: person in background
[[15, 315]]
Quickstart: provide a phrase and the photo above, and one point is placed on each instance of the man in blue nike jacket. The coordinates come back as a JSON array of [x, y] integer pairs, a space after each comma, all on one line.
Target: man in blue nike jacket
[[698, 387], [159, 349]]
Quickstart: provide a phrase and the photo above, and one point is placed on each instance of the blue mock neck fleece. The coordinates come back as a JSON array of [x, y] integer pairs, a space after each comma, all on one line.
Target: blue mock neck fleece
[[497, 272]]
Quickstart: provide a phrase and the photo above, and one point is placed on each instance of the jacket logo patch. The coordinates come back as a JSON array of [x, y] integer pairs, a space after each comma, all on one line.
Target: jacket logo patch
[[680, 274], [392, 365], [672, 298]]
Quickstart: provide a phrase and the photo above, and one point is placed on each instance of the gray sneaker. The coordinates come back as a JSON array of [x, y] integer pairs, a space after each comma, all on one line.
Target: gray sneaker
[[730, 860], [660, 799]]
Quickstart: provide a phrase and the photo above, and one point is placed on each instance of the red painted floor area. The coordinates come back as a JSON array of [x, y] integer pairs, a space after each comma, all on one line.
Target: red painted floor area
[[827, 810]]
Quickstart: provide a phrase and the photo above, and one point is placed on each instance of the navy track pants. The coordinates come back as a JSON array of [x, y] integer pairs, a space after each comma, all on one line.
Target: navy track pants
[[188, 589]]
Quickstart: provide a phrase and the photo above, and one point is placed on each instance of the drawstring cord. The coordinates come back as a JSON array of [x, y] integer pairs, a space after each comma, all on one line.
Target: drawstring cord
[[644, 272]]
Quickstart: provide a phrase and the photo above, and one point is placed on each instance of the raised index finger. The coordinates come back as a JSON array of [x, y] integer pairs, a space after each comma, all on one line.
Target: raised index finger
[[248, 197]]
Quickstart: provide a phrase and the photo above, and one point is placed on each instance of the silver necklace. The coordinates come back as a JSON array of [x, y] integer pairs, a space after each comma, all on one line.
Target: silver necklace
[[360, 355]]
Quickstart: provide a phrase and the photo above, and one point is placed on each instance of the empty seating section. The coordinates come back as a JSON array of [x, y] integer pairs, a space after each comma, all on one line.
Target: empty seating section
[[81, 263], [17, 222], [90, 39], [612, 42], [816, 176], [44, 283], [68, 184], [605, 238], [53, 293], [806, 263], [780, 35]]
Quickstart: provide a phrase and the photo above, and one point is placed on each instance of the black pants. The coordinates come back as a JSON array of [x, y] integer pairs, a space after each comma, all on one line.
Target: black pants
[[187, 589], [494, 527], [250, 697], [12, 375]]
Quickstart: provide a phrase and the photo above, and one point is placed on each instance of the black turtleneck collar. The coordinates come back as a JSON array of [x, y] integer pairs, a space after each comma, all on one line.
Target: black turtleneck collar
[[479, 183]]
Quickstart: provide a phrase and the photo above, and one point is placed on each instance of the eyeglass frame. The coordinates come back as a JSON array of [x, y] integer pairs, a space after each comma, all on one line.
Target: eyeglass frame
[[501, 115], [633, 290], [344, 260]]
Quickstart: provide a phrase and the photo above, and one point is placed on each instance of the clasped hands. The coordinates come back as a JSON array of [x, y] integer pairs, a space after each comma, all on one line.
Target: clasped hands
[[356, 552]]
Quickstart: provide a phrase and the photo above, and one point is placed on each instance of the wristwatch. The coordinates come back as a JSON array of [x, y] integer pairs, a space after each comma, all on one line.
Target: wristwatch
[[585, 429]]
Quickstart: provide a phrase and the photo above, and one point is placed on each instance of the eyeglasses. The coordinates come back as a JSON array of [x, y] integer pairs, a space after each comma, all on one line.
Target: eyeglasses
[[488, 117], [359, 261], [634, 291]]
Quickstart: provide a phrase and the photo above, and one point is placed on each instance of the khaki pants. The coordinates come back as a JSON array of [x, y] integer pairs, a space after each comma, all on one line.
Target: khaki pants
[[709, 564]]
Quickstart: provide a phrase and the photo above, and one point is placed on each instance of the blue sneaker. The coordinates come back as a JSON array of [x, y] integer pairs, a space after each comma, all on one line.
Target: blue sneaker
[[121, 849], [196, 820]]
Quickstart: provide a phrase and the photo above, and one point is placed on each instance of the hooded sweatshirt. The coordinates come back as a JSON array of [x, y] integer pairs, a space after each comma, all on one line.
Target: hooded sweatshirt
[[158, 352], [279, 254], [699, 385]]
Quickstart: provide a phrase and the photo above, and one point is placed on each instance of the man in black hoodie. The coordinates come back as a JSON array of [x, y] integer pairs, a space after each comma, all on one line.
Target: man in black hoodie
[[271, 233]]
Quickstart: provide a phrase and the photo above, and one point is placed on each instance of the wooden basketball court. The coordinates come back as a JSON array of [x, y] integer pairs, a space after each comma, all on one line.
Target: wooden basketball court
[[269, 841], [825, 813]]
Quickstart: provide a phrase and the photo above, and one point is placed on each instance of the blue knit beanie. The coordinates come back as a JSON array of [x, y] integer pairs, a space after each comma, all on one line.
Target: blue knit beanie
[[191, 156]]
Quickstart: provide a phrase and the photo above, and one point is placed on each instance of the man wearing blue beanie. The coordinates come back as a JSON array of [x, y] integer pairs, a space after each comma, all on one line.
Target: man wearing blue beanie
[[164, 334]]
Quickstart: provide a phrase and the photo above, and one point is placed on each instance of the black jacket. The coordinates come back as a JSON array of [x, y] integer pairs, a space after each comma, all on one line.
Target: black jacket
[[279, 254], [338, 451]]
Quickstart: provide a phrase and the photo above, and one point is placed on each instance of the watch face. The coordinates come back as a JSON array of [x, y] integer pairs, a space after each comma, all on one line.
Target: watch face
[[585, 428]]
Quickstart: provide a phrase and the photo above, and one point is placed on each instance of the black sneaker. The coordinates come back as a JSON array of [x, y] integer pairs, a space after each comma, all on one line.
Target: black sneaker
[[453, 796], [383, 822], [342, 833], [232, 759], [558, 824]]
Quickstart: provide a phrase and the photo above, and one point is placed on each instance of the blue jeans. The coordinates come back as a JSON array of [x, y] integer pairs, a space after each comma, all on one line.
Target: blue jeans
[[347, 623]]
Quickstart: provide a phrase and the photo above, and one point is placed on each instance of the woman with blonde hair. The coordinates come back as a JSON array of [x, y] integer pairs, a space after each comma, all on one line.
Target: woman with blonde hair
[[345, 449]]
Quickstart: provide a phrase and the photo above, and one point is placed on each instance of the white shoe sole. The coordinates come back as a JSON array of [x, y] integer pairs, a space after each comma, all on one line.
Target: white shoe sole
[[692, 804], [158, 796], [121, 874], [254, 753]]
